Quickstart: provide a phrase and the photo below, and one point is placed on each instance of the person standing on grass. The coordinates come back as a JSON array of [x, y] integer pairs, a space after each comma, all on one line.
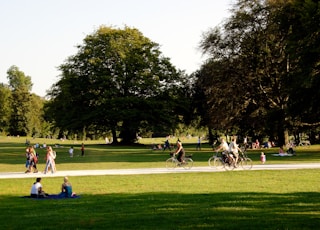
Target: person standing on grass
[[166, 145], [199, 144], [71, 151], [82, 150], [263, 158]]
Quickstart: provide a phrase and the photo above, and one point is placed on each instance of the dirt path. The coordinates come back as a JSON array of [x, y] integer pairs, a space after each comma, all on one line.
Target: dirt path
[[8, 175]]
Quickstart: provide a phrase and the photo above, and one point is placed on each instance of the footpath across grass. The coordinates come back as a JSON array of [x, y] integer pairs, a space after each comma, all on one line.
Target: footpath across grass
[[221, 200]]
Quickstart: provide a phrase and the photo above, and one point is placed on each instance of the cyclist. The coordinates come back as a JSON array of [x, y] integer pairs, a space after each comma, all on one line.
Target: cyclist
[[224, 148], [180, 152], [234, 149]]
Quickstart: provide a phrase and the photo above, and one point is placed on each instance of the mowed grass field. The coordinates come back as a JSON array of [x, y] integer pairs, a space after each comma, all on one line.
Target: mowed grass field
[[219, 200]]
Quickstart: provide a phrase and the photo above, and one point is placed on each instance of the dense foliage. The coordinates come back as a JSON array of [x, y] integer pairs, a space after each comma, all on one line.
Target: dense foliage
[[263, 69], [119, 82], [260, 79]]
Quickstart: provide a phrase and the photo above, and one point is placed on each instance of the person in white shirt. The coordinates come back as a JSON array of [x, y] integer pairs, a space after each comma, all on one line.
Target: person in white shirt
[[234, 149], [223, 146], [36, 189], [71, 151]]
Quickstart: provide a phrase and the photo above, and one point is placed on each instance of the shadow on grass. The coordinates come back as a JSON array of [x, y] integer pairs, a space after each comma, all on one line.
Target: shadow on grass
[[165, 211]]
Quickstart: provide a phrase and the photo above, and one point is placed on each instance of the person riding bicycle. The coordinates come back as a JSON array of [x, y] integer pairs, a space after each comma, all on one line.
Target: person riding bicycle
[[224, 148], [234, 150], [180, 152]]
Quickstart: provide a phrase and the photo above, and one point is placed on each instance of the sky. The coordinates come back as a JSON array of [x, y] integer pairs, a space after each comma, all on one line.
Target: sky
[[37, 36]]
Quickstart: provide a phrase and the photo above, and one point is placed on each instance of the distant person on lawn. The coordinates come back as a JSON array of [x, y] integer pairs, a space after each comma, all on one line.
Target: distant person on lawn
[[71, 151], [82, 150]]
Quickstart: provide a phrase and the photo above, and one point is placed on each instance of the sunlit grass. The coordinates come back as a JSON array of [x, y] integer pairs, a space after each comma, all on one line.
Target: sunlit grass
[[284, 199]]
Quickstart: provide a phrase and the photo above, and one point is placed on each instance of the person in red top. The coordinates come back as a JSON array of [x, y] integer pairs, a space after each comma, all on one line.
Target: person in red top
[[82, 149]]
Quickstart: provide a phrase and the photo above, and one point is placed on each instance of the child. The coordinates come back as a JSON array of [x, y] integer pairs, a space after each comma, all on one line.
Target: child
[[71, 151], [262, 158]]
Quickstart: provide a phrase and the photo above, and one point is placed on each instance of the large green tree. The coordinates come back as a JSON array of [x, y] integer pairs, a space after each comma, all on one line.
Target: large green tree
[[5, 108], [252, 74], [21, 106], [118, 81]]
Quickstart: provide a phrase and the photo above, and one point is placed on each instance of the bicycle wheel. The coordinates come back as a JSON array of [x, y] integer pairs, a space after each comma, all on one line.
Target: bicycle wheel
[[229, 165], [171, 163], [217, 162], [188, 163], [246, 163], [211, 161]]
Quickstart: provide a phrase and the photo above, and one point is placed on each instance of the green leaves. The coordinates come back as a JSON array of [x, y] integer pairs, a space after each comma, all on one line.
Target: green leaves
[[258, 61], [111, 83]]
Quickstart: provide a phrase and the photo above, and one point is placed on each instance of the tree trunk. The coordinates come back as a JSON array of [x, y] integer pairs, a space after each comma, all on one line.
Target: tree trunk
[[128, 133], [114, 137], [84, 133]]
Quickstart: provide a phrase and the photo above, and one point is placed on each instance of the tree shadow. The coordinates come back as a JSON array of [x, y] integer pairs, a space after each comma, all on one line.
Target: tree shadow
[[165, 211]]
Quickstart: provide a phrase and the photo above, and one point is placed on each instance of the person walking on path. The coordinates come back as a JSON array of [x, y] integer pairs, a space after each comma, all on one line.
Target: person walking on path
[[50, 160]]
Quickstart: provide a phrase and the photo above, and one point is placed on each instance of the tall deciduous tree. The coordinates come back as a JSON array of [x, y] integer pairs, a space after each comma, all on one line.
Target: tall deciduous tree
[[118, 81], [5, 108], [21, 105], [253, 71]]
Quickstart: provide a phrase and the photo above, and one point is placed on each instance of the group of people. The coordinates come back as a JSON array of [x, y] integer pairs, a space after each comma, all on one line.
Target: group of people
[[71, 150], [38, 192], [32, 160], [231, 151]]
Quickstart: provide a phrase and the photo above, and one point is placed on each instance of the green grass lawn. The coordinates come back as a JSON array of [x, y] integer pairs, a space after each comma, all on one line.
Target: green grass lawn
[[222, 200]]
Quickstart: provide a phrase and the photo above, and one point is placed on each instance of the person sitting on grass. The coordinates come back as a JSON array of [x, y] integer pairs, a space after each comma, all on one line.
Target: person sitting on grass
[[281, 151], [36, 190], [66, 189]]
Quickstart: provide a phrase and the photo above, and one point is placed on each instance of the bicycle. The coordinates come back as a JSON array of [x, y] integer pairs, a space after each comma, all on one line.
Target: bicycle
[[173, 162], [222, 161], [244, 161], [228, 163]]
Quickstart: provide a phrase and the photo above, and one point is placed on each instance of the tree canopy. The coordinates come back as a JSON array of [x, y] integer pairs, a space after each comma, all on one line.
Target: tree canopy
[[260, 62], [118, 81]]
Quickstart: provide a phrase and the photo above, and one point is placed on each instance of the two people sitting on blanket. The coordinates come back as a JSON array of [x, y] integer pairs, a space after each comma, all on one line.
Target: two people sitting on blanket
[[37, 191], [66, 189]]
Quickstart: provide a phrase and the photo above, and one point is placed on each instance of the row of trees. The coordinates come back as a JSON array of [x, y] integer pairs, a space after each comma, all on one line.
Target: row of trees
[[261, 78], [21, 113], [262, 74]]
